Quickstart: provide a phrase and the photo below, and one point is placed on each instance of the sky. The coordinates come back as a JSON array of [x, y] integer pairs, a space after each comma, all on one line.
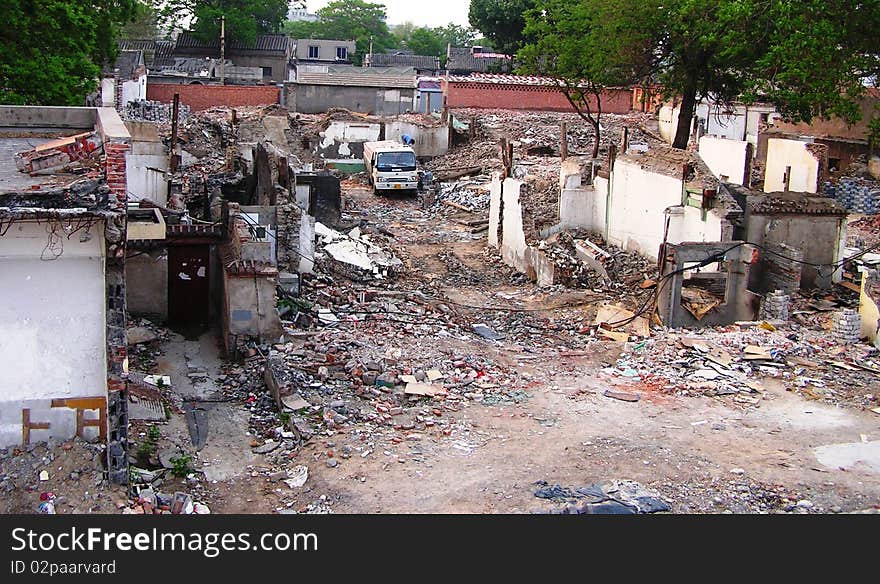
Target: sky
[[419, 12]]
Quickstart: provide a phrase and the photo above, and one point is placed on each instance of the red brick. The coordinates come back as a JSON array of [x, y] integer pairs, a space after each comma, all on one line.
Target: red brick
[[202, 97], [462, 94]]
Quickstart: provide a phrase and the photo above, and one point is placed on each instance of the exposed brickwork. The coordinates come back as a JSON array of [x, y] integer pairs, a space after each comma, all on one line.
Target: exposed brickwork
[[528, 97], [202, 97], [115, 168]]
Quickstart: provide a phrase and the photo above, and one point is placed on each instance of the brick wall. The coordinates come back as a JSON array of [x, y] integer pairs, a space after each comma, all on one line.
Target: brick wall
[[528, 97], [202, 97]]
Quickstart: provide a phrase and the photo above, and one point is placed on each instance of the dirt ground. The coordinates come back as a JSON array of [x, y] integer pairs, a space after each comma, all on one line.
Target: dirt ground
[[702, 454]]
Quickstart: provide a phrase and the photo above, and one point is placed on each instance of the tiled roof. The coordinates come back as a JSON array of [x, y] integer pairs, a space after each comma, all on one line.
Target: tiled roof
[[502, 79], [417, 61], [359, 77], [156, 53], [264, 42]]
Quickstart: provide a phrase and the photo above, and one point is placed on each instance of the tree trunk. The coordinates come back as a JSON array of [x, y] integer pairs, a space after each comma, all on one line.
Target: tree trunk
[[595, 123], [685, 117]]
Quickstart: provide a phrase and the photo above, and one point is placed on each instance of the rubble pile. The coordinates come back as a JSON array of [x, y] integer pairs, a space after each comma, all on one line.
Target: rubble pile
[[739, 361], [73, 472], [471, 194], [154, 111], [354, 256], [600, 266]]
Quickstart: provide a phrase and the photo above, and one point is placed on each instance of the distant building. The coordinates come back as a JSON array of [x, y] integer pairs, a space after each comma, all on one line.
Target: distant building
[[125, 81], [423, 64], [477, 59], [272, 53], [323, 51], [370, 90], [301, 15]]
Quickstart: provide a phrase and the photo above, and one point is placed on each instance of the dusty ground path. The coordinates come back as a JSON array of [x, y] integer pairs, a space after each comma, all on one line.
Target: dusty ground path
[[215, 428], [702, 454]]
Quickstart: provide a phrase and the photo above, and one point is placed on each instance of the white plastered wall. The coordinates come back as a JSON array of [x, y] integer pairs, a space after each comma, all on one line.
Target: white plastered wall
[[52, 326]]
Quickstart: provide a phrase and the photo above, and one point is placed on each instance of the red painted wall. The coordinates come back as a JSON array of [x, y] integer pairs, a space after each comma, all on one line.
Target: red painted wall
[[528, 97], [202, 97]]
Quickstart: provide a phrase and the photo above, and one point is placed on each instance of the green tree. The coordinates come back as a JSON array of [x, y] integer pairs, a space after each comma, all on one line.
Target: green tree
[[359, 21], [245, 19], [818, 55], [426, 41], [501, 21], [402, 31], [807, 57], [457, 35], [145, 24], [563, 32], [52, 51]]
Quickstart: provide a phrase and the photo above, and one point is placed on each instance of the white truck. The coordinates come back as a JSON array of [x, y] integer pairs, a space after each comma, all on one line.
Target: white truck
[[391, 166]]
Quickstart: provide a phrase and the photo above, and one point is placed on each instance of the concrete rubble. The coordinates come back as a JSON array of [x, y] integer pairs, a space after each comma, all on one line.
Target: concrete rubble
[[407, 341]]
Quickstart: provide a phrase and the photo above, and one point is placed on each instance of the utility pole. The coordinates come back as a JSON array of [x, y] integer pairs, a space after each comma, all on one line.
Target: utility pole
[[222, 50], [371, 50]]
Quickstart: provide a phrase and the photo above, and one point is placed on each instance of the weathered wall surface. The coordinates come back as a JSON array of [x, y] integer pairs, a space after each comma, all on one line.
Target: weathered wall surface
[[634, 215], [52, 332], [725, 157], [805, 167], [202, 97], [145, 164], [146, 278], [461, 94], [638, 202], [250, 304], [345, 139], [429, 142], [817, 237], [133, 90], [316, 99]]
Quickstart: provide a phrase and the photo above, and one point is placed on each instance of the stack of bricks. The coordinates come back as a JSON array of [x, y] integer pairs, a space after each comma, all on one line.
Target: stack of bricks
[[153, 111], [847, 326], [783, 267], [776, 306]]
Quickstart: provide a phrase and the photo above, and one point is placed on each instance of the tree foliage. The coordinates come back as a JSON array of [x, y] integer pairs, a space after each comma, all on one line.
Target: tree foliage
[[52, 51], [502, 21], [807, 57], [434, 41], [245, 19], [145, 23], [562, 32]]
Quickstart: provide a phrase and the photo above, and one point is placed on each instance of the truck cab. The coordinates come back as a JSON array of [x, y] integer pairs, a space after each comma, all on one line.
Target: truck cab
[[391, 166]]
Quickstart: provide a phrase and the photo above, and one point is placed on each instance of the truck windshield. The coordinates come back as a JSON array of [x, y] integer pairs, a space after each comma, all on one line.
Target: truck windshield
[[396, 161]]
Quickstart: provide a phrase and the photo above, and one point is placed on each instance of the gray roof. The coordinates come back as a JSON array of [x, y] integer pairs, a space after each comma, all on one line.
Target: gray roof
[[390, 77], [398, 59], [156, 53], [276, 43], [129, 62], [463, 59]]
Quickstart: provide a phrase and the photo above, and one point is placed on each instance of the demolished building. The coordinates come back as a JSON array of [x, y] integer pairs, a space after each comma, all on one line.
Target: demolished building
[[62, 253]]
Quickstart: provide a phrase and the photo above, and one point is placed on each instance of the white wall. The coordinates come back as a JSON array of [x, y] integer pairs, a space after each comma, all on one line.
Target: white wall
[[142, 170], [343, 133], [108, 92], [782, 153], [638, 201], [725, 157], [741, 124], [52, 326], [428, 141], [133, 90]]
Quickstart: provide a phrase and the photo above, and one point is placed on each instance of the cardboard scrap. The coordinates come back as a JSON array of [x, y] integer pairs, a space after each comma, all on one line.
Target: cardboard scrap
[[434, 375], [614, 313], [426, 389]]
